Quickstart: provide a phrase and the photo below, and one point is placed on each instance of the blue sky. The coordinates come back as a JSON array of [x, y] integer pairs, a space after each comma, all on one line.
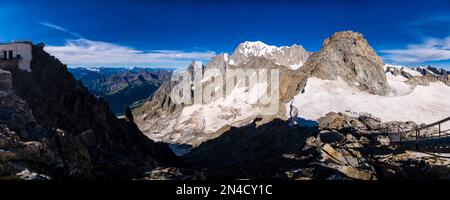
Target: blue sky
[[171, 33]]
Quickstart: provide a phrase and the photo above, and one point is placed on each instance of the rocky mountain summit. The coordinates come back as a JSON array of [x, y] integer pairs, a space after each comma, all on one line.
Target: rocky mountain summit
[[349, 56], [51, 127]]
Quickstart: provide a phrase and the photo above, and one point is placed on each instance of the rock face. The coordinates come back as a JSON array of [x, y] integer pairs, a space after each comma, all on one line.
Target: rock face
[[6, 95], [349, 56], [56, 128], [156, 114]]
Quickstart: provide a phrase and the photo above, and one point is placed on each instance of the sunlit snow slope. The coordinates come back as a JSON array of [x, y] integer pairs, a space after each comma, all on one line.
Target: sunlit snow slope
[[422, 104]]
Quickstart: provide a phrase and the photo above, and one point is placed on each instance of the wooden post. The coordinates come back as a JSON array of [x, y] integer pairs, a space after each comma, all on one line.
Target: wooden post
[[417, 134], [439, 130], [401, 139], [417, 139]]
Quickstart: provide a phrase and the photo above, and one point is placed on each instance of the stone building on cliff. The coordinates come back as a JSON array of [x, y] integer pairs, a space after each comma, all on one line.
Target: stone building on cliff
[[16, 52]]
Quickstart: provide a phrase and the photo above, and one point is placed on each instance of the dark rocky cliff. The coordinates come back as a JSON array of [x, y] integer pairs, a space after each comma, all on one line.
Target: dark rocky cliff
[[78, 135]]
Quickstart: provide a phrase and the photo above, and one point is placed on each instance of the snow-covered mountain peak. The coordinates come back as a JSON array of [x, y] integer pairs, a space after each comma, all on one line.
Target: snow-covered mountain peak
[[293, 56], [256, 48]]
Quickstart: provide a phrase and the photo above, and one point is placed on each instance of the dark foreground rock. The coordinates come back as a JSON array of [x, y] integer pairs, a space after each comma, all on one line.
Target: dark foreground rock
[[342, 148], [250, 151]]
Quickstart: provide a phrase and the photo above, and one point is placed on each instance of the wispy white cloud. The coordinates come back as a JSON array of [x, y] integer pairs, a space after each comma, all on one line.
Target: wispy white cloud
[[84, 52], [60, 28], [437, 25], [431, 49]]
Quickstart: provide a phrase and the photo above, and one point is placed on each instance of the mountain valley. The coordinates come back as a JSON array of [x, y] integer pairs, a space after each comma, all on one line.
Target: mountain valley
[[121, 87]]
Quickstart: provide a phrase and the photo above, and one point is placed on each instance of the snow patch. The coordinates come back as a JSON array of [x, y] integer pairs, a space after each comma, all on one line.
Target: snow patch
[[397, 85], [234, 110], [411, 71], [424, 104], [296, 66]]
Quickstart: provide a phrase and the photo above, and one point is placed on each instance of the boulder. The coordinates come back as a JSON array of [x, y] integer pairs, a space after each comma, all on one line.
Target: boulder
[[172, 173], [335, 121], [351, 142], [364, 140], [356, 173], [330, 136], [383, 140], [26, 174], [370, 122]]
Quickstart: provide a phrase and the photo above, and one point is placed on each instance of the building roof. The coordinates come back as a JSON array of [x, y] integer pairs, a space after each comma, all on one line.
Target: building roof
[[17, 42]]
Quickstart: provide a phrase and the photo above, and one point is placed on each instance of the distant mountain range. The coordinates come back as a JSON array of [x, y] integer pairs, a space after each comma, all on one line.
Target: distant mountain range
[[121, 87]]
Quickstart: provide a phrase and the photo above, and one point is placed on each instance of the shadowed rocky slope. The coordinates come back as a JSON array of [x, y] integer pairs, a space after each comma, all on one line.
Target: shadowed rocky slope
[[250, 151], [74, 134]]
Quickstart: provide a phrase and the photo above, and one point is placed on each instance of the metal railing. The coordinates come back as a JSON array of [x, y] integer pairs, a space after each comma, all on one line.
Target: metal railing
[[417, 136]]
